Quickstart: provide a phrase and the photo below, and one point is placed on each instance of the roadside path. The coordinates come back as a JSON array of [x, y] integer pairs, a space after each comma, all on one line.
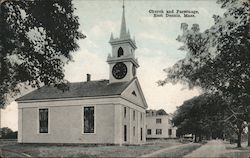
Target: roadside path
[[165, 150], [213, 148]]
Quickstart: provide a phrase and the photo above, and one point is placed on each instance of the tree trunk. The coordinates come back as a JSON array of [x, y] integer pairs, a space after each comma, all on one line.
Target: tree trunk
[[248, 134], [195, 138], [239, 138], [200, 137]]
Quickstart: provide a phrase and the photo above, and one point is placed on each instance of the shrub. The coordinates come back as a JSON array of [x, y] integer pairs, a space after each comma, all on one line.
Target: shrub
[[7, 133]]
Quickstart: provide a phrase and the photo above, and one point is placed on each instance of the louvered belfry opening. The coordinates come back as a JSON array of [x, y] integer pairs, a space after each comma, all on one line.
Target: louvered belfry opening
[[120, 52]]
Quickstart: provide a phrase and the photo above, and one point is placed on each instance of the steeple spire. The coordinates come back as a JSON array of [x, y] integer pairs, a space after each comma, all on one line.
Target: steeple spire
[[123, 31]]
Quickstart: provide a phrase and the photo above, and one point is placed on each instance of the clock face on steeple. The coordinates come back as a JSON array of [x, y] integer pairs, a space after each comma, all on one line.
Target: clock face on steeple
[[119, 70]]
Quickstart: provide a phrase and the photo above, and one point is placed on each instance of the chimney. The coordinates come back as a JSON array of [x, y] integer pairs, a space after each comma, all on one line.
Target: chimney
[[88, 77]]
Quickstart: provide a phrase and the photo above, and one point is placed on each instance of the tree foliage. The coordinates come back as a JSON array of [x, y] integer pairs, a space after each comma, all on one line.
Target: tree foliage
[[161, 112], [199, 116], [7, 133], [218, 59], [36, 41]]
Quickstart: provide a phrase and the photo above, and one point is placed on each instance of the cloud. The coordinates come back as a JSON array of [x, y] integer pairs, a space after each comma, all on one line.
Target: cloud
[[88, 42], [168, 97], [98, 30], [86, 62], [158, 37], [9, 116], [152, 63]]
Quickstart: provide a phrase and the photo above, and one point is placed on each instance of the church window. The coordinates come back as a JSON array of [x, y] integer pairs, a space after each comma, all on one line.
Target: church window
[[89, 119], [125, 111], [120, 52], [141, 116], [43, 120], [134, 115], [134, 131]]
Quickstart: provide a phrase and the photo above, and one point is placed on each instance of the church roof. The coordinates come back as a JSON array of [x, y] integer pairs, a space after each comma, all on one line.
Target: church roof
[[77, 90]]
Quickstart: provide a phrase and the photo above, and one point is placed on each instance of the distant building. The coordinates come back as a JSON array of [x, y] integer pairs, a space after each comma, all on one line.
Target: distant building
[[158, 124], [97, 112]]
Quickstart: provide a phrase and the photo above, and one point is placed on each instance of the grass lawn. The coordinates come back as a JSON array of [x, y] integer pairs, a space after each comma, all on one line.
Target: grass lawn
[[233, 151], [37, 150]]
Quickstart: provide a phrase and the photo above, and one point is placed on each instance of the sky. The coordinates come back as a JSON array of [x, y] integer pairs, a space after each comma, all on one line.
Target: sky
[[155, 37]]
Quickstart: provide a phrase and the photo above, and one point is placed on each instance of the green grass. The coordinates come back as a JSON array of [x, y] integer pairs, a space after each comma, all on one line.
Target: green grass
[[237, 154], [43, 150]]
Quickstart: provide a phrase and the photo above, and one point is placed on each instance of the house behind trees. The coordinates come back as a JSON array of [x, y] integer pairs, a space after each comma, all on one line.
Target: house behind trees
[[158, 125]]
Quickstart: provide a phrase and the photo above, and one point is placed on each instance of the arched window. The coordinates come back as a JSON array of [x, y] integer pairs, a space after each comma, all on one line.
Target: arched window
[[120, 52]]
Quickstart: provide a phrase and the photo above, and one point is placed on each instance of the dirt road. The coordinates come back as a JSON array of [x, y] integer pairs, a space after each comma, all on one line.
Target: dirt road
[[213, 148], [174, 151]]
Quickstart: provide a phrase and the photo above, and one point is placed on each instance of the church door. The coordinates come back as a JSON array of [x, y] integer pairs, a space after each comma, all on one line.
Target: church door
[[125, 133], [141, 134]]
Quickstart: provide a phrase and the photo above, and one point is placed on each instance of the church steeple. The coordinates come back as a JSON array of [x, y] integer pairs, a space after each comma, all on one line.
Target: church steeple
[[123, 31], [122, 61]]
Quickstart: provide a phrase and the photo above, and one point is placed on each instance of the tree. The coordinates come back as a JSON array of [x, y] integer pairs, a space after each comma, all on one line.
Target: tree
[[7, 133], [218, 59], [161, 112], [36, 41], [199, 116]]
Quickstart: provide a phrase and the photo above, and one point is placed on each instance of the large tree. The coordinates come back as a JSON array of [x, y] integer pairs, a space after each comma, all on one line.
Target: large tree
[[36, 41], [218, 59]]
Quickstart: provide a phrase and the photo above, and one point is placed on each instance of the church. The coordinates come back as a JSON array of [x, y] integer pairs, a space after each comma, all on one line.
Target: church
[[93, 112]]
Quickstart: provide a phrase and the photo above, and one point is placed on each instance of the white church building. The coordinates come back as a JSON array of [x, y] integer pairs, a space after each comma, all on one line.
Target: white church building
[[93, 112]]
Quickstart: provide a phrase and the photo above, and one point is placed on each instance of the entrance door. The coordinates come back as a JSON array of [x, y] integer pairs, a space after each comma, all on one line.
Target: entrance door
[[125, 133], [141, 134]]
